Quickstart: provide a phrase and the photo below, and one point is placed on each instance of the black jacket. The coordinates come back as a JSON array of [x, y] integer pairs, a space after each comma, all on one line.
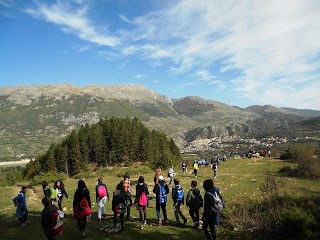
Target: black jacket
[[101, 184], [79, 194], [120, 196], [209, 202], [140, 188]]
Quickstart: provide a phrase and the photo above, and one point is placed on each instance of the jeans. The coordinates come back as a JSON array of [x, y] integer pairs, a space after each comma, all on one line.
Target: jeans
[[164, 210], [23, 219], [177, 212]]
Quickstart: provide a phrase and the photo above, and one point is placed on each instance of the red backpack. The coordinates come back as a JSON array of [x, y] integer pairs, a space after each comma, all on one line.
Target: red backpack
[[84, 204]]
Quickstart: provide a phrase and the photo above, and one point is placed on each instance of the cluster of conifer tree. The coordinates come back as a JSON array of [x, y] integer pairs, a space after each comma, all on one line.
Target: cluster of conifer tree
[[109, 142]]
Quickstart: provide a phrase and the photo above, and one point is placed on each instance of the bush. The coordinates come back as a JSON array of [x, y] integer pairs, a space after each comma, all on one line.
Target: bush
[[49, 177], [295, 223]]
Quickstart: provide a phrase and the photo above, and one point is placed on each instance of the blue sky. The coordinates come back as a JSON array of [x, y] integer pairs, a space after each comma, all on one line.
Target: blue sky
[[238, 52]]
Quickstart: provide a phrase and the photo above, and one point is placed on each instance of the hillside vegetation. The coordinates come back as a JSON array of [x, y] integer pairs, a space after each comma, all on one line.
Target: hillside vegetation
[[109, 142]]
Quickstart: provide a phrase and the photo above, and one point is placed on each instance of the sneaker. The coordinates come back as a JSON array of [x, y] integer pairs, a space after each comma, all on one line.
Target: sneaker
[[145, 222], [160, 222], [177, 224], [83, 234], [185, 221], [22, 224], [141, 226], [166, 221], [196, 225]]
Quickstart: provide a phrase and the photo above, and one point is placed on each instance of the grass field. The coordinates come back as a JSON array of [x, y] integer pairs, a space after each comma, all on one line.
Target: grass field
[[239, 180]]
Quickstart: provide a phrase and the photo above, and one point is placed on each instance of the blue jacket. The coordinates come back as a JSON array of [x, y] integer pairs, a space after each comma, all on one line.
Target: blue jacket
[[21, 204]]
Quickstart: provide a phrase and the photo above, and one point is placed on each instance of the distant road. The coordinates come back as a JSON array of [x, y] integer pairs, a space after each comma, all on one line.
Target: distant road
[[14, 163]]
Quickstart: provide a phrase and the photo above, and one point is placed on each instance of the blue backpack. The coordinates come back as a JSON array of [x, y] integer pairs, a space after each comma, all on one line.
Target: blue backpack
[[179, 194], [162, 194]]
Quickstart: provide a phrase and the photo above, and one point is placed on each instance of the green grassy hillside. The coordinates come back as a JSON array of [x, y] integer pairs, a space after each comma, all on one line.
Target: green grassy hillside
[[239, 181]]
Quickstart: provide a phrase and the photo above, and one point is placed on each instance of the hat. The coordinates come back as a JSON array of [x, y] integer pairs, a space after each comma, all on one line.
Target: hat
[[160, 178]]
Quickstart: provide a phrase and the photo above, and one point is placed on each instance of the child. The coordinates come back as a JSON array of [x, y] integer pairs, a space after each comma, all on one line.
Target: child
[[215, 169], [101, 196], [195, 168], [178, 199], [21, 204], [194, 202], [51, 222], [82, 206], [118, 205], [59, 187], [141, 200], [161, 190]]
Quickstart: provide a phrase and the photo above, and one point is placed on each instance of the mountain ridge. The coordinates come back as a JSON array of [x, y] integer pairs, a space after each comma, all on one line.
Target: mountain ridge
[[32, 117]]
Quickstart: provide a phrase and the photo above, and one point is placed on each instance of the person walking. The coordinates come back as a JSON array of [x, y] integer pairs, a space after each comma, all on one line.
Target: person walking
[[82, 206], [127, 187], [178, 200], [102, 195], [171, 174], [119, 206], [20, 203], [194, 201], [210, 217], [141, 200], [215, 169], [161, 190], [195, 168], [59, 188]]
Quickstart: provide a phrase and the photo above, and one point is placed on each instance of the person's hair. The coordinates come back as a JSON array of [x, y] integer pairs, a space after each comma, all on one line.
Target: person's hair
[[100, 179], [207, 184], [55, 185], [81, 184], [44, 184], [141, 179], [120, 187], [46, 201], [176, 181], [23, 188], [194, 183], [126, 175]]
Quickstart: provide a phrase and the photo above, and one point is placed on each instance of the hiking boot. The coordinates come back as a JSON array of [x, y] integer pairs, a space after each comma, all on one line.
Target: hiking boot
[[185, 221], [160, 222]]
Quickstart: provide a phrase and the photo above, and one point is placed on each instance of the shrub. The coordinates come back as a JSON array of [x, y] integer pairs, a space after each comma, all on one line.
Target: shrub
[[49, 177], [295, 223]]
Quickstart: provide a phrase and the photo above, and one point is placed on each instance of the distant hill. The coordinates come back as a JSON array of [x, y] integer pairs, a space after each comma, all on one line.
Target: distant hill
[[32, 117], [304, 112]]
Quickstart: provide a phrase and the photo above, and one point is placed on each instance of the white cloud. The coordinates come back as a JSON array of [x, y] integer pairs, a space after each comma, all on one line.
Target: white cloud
[[139, 76], [273, 45], [73, 20]]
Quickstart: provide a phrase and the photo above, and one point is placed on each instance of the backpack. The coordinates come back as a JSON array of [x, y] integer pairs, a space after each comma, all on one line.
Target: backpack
[[197, 201], [217, 204], [183, 164], [179, 194], [53, 194], [121, 208], [162, 194], [102, 191], [84, 204], [143, 200], [57, 223]]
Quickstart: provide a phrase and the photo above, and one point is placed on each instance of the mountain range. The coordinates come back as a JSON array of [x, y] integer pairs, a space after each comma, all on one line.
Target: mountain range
[[32, 117]]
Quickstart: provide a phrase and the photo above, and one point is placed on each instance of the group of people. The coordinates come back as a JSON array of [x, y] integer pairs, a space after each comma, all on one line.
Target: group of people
[[52, 214], [194, 202]]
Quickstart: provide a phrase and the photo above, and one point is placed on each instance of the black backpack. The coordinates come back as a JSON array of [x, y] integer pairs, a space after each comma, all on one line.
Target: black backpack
[[197, 201]]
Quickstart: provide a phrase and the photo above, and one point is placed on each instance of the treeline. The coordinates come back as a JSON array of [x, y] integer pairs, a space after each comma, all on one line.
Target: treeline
[[109, 142]]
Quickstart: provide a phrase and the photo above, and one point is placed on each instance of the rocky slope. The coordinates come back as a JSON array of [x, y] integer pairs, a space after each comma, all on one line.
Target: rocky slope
[[32, 117]]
